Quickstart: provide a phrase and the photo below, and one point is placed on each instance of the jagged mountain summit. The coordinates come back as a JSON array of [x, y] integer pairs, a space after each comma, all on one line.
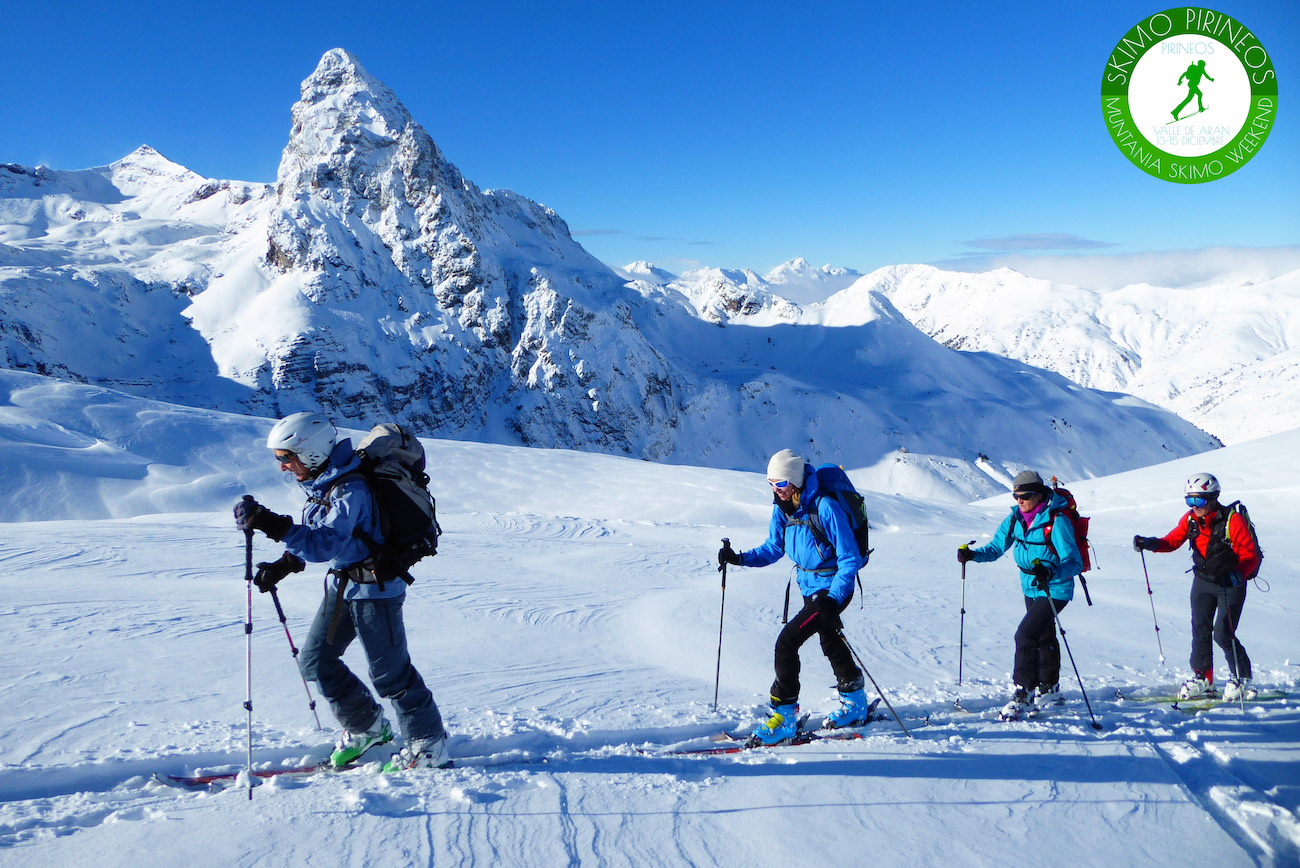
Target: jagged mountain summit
[[373, 280]]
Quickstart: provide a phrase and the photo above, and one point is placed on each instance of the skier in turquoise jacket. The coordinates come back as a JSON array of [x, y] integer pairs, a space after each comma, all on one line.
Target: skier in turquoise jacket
[[825, 575], [1043, 544]]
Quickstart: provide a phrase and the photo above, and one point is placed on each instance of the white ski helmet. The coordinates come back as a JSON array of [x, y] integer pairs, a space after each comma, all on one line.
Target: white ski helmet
[[308, 435], [1203, 484]]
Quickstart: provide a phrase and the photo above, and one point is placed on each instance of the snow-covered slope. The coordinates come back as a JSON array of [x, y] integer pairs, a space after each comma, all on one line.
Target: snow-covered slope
[[97, 266], [569, 629], [1224, 354]]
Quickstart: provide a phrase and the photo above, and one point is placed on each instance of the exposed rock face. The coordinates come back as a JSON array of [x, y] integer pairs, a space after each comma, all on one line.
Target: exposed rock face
[[435, 302]]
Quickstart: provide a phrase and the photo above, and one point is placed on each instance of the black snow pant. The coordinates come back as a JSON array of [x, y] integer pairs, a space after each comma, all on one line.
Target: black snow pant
[[1207, 600], [799, 629], [1038, 653]]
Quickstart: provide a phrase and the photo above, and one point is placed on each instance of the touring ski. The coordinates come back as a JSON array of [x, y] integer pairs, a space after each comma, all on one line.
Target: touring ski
[[220, 780], [804, 735]]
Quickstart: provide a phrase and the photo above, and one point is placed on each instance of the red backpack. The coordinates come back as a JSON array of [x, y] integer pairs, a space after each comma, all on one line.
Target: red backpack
[[1080, 525]]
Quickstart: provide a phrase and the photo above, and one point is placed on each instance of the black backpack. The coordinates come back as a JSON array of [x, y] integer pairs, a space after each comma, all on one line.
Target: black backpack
[[1226, 510], [392, 463]]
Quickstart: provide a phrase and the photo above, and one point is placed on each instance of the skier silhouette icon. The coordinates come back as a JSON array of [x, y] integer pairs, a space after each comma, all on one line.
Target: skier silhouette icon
[[1193, 76]]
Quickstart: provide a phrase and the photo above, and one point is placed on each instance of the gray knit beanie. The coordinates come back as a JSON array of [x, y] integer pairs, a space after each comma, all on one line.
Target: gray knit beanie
[[1028, 481]]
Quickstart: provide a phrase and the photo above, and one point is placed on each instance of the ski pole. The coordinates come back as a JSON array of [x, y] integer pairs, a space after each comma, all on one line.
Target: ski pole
[[311, 703], [961, 636], [717, 672], [863, 666], [1236, 661], [1151, 599], [1051, 604], [248, 646]]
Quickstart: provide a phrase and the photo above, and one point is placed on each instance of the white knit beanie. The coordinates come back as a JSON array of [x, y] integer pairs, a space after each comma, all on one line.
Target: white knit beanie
[[787, 465]]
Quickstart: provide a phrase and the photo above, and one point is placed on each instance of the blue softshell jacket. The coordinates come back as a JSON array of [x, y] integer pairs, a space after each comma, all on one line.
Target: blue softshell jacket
[[817, 568]]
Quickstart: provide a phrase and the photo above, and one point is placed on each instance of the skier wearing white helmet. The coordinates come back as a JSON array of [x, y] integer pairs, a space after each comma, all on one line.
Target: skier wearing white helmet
[[1225, 555], [338, 518]]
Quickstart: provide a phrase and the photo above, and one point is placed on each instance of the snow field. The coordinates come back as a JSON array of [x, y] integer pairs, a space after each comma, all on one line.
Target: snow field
[[569, 631]]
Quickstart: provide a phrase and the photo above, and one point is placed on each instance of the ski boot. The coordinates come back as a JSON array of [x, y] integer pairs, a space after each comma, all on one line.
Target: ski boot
[[420, 753], [349, 748], [780, 727], [1239, 688], [1020, 706], [1199, 685], [1049, 696], [853, 710]]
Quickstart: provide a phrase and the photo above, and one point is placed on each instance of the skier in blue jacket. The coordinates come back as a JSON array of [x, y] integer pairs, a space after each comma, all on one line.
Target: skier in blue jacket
[[1048, 557], [339, 510], [825, 577]]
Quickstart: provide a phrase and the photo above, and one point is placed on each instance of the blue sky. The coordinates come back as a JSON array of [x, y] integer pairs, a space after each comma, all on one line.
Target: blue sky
[[722, 134]]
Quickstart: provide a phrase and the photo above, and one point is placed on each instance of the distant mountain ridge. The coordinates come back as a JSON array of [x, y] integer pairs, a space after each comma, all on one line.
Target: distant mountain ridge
[[373, 280]]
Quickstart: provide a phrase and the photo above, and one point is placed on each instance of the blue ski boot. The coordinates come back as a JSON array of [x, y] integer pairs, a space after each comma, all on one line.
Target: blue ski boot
[[781, 726], [853, 710]]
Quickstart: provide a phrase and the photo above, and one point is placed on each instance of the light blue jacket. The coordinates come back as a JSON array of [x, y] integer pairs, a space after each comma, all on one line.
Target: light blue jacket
[[818, 568], [326, 533], [1031, 543]]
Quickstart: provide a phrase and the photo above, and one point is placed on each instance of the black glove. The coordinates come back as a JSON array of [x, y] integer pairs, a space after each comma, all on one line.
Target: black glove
[[727, 556], [1144, 542], [251, 515], [1042, 575], [829, 608], [270, 572], [964, 554]]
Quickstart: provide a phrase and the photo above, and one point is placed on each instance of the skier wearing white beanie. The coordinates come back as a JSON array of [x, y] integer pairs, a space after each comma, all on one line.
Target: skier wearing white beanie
[[825, 570]]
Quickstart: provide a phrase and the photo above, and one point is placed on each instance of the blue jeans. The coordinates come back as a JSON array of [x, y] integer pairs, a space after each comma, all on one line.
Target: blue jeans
[[378, 624]]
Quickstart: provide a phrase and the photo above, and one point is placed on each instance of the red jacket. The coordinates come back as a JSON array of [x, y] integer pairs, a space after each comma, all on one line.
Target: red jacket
[[1243, 544]]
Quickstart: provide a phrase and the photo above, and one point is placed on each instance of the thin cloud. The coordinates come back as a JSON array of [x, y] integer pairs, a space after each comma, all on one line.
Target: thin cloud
[[1173, 268], [1042, 241]]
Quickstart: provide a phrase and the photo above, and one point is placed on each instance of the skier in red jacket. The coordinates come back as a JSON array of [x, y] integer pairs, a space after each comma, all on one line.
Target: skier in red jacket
[[1224, 555]]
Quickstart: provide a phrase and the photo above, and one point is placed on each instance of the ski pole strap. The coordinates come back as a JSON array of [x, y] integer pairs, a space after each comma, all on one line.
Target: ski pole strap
[[1084, 582]]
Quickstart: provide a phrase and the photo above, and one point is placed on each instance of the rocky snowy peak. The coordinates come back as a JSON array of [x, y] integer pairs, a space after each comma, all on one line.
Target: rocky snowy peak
[[647, 271], [801, 283], [389, 286]]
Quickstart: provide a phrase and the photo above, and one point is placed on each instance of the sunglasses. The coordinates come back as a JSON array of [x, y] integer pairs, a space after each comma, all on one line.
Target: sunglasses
[[284, 457], [779, 485], [1025, 495], [1196, 500]]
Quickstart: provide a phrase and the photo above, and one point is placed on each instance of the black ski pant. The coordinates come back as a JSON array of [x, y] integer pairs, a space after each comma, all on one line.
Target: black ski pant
[[1216, 611], [802, 627], [1038, 653]]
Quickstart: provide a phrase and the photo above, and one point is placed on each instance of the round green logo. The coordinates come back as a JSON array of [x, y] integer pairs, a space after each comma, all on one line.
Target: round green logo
[[1189, 95]]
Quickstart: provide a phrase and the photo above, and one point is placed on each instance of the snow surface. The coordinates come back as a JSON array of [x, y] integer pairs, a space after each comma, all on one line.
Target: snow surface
[[572, 616]]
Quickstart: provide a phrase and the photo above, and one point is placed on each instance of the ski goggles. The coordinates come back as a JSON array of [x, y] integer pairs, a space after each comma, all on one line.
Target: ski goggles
[[779, 484], [1196, 500]]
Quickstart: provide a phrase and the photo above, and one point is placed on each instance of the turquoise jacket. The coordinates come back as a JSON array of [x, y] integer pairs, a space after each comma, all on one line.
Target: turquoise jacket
[[1031, 544], [818, 568]]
